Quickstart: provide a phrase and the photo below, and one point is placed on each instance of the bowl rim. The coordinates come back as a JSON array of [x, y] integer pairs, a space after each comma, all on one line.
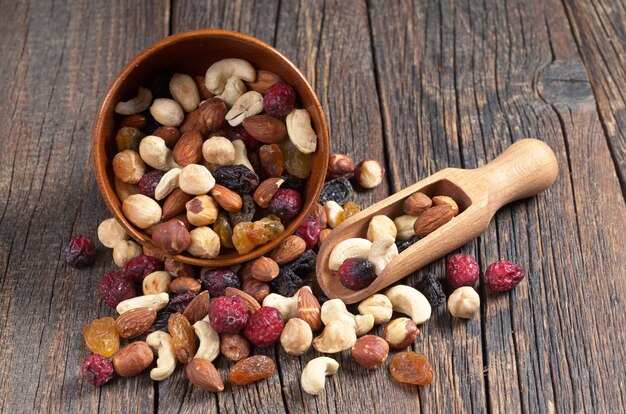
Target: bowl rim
[[108, 191]]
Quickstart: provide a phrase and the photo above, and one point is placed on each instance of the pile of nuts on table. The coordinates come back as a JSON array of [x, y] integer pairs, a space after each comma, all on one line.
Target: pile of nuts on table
[[181, 315]]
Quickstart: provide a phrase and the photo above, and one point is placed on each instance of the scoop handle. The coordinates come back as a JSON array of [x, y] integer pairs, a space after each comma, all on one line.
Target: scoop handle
[[524, 169]]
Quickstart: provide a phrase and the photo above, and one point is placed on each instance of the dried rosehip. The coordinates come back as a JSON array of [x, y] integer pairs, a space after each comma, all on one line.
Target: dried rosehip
[[286, 204], [240, 133], [237, 178], [97, 370], [251, 369], [80, 252], [149, 181], [411, 368], [264, 326], [217, 280], [141, 266], [356, 273], [338, 190], [228, 314], [178, 303], [115, 287], [279, 100], [309, 230]]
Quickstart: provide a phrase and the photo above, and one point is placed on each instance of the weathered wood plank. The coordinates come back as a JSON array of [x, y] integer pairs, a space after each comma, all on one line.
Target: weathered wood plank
[[57, 60]]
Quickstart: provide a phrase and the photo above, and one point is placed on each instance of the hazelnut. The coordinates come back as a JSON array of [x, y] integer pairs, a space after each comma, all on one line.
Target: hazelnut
[[369, 173], [179, 269], [296, 337], [156, 282], [172, 236], [169, 135], [202, 210], [234, 346], [185, 284], [128, 166], [167, 112], [141, 210], [124, 250], [464, 302], [400, 333], [340, 165], [381, 225], [439, 200], [195, 179], [256, 289], [133, 359], [218, 151], [416, 204], [404, 226], [204, 243], [110, 232], [370, 351]]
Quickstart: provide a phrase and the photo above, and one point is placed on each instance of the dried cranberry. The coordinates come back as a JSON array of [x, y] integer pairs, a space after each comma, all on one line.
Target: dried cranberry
[[264, 327], [80, 251], [356, 273], [240, 133], [217, 280], [178, 303], [115, 287], [309, 230], [228, 314], [237, 177], [97, 370], [141, 266], [286, 204], [149, 182], [279, 100], [502, 276], [462, 270]]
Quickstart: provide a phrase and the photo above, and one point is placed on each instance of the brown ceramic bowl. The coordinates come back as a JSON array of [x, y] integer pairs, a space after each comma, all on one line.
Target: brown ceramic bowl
[[192, 53]]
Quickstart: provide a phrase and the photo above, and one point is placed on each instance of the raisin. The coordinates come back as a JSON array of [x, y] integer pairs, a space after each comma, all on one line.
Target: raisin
[[338, 190], [350, 209], [183, 337], [237, 178], [297, 163], [217, 280], [128, 138], [271, 158], [287, 282], [304, 264], [251, 369], [223, 229], [101, 337], [246, 213], [247, 235], [295, 183], [178, 303], [411, 368], [431, 288], [403, 245]]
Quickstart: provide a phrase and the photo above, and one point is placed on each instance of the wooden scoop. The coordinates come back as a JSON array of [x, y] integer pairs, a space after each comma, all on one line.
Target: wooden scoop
[[524, 169]]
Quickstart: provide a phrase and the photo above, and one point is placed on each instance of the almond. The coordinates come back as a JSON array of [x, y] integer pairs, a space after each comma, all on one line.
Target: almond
[[266, 190], [309, 309], [289, 250], [264, 269], [136, 121], [416, 204], [133, 359], [185, 284], [264, 80], [254, 288], [441, 200], [188, 149], [431, 219], [265, 128], [202, 90], [174, 204], [323, 234], [198, 308], [203, 374], [135, 322], [253, 304], [209, 116], [226, 198], [169, 134]]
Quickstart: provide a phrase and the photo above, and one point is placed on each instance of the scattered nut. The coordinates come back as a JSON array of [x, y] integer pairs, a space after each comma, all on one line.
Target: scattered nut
[[290, 249], [346, 249], [409, 301], [234, 346], [241, 154], [134, 322], [156, 154], [226, 198], [233, 90], [138, 104], [195, 179], [335, 310], [202, 210], [309, 309], [264, 269], [369, 173], [188, 149], [184, 91], [203, 374], [110, 232], [218, 151], [416, 204], [219, 72], [464, 302], [266, 190], [124, 250], [378, 306], [128, 166], [334, 213], [167, 112], [431, 219], [248, 104], [204, 242], [364, 324], [141, 210], [155, 302], [383, 251], [380, 225], [313, 376], [441, 200], [167, 184], [400, 333], [340, 165], [370, 351], [288, 307], [209, 345], [133, 359], [172, 236], [336, 337], [156, 282], [296, 337], [404, 225], [161, 343], [300, 131]]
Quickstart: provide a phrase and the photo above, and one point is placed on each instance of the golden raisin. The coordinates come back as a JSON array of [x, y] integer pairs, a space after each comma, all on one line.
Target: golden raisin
[[271, 158], [101, 337], [251, 369], [247, 235], [411, 368], [183, 337], [223, 229], [297, 163], [350, 209]]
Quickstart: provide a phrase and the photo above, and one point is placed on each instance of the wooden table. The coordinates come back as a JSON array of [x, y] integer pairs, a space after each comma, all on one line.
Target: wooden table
[[422, 86]]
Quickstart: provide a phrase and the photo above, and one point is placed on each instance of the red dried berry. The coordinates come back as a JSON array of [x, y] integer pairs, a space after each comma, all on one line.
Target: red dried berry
[[149, 181], [115, 287], [462, 270], [80, 251], [141, 266], [502, 276], [97, 370], [356, 273], [264, 327], [279, 100], [228, 314], [285, 204], [217, 280], [240, 133], [309, 230]]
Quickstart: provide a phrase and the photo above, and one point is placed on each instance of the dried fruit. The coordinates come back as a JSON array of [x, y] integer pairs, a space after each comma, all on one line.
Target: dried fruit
[[135, 322], [369, 173], [356, 273], [101, 337], [237, 178], [411, 368], [279, 100], [228, 314], [115, 287], [240, 133], [178, 303], [133, 359], [251, 369], [350, 209], [80, 252], [234, 346], [141, 266], [431, 288], [271, 159], [295, 183], [286, 204], [224, 230], [183, 337], [416, 204], [309, 231], [128, 138], [246, 213], [462, 270], [217, 280], [338, 190], [149, 181], [264, 327], [340, 165], [405, 244], [160, 324], [293, 276], [431, 219], [502, 276], [97, 370], [370, 351], [247, 235], [296, 163]]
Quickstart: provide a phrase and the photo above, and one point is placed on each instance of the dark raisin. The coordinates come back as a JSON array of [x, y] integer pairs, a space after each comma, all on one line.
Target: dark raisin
[[239, 133], [238, 178], [287, 283], [304, 264], [160, 324], [431, 288], [338, 190], [246, 213], [178, 303], [141, 266], [295, 183], [149, 182], [80, 251], [403, 245], [217, 280]]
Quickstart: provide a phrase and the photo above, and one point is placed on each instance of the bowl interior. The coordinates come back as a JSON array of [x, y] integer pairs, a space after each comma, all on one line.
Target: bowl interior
[[192, 53]]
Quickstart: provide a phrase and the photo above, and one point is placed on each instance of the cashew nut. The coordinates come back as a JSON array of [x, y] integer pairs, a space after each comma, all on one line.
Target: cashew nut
[[184, 91], [404, 225], [314, 374], [161, 343], [464, 302], [110, 232], [335, 310], [334, 213], [411, 302], [155, 302], [296, 337], [167, 183], [346, 249], [364, 324], [218, 73], [124, 250], [167, 112], [232, 91], [138, 104], [379, 225], [241, 154], [156, 154], [248, 104], [209, 347], [377, 305], [336, 337], [300, 131], [288, 307], [383, 251]]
